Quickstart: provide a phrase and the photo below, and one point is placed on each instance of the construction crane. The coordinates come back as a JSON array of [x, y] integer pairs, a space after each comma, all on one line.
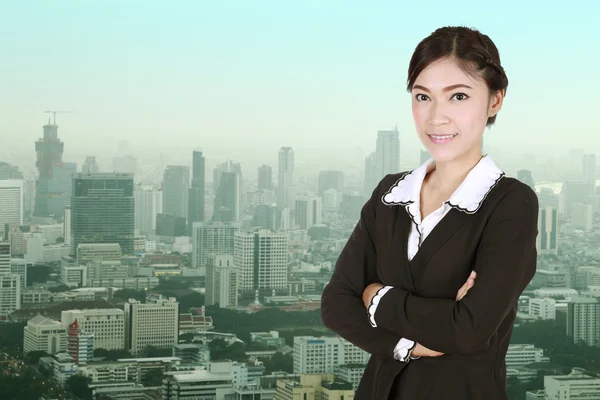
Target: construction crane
[[58, 112]]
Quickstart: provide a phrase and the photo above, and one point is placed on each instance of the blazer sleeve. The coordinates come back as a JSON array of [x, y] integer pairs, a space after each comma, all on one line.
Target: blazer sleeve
[[342, 308], [505, 264]]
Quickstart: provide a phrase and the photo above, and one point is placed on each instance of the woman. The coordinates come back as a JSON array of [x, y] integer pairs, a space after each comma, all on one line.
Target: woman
[[429, 279]]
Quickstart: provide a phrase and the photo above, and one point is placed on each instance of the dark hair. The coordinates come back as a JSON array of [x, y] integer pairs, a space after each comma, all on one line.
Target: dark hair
[[475, 53]]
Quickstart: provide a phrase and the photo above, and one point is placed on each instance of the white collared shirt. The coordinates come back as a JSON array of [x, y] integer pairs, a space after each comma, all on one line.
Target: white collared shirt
[[406, 192]]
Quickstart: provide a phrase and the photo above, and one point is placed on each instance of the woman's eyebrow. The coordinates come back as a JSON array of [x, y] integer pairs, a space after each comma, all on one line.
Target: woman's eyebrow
[[446, 89]]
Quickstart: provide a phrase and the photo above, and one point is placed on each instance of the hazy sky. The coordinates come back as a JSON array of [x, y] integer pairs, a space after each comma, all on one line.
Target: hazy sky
[[251, 76]]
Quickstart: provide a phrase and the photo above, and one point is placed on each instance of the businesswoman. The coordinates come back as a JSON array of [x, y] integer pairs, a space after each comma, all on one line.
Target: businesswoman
[[429, 279]]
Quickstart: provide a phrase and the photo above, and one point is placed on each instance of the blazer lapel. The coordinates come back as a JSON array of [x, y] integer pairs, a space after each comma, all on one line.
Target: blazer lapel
[[398, 267], [441, 233]]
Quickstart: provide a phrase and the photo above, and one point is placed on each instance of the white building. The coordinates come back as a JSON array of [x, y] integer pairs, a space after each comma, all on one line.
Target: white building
[[211, 237], [543, 308], [547, 242], [214, 384], [11, 202], [221, 281], [316, 355], [148, 203], [155, 323], [308, 212], [88, 252], [519, 355], [573, 386], [106, 324], [261, 257], [10, 293], [18, 266], [583, 320], [44, 334]]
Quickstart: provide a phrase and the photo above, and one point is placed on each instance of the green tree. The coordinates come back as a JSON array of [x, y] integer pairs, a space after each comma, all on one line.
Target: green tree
[[111, 355], [153, 377], [78, 386], [33, 357]]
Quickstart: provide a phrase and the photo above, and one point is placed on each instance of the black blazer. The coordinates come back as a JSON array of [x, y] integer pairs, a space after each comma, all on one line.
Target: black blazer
[[498, 241]]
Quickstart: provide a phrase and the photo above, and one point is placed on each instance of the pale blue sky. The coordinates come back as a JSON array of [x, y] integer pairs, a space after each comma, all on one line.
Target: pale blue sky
[[262, 74]]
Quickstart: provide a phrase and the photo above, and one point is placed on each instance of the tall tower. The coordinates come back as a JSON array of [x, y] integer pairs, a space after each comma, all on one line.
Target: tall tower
[[196, 192], [176, 182], [285, 176], [228, 186], [53, 188], [265, 177], [102, 210], [387, 153]]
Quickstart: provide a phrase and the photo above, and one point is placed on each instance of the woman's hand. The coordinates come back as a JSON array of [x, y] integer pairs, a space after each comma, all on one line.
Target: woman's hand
[[462, 292], [420, 350]]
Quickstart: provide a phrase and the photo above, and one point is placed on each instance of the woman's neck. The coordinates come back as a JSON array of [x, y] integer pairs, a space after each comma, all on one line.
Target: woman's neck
[[448, 175]]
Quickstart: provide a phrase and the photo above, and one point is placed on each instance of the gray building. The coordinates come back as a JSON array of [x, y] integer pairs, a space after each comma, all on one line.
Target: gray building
[[102, 209]]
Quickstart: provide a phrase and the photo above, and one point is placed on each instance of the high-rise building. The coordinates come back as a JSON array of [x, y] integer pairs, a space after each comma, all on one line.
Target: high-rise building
[[265, 177], [154, 323], [261, 257], [11, 202], [546, 242], [228, 199], [285, 176], [102, 210], [10, 284], [221, 281], [176, 183], [80, 345], [196, 192], [385, 160], [308, 212], [330, 180], [387, 153], [53, 188], [227, 180], [148, 204], [588, 169], [106, 324], [583, 320], [18, 266], [265, 216], [90, 165], [524, 175], [211, 237]]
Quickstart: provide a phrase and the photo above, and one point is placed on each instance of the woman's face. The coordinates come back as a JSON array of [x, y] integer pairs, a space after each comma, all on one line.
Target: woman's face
[[450, 110]]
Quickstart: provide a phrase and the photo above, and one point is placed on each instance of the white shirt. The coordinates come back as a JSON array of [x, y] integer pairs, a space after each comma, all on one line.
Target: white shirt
[[406, 192]]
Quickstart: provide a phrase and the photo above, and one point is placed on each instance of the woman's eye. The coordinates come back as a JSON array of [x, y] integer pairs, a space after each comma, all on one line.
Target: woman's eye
[[462, 95], [419, 94]]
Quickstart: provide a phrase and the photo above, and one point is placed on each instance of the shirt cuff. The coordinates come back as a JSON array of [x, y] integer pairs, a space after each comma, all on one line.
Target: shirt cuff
[[401, 346], [374, 302]]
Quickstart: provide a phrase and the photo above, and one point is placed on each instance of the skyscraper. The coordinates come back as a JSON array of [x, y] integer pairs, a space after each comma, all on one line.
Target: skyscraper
[[228, 192], [53, 188], [265, 177], [387, 152], [261, 259], [331, 180], [285, 176], [11, 202], [102, 210], [546, 242], [308, 212], [196, 192], [148, 204], [211, 237], [176, 182], [588, 169], [524, 175]]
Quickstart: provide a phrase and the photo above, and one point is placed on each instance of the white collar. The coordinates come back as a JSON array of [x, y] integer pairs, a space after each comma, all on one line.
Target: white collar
[[468, 197]]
